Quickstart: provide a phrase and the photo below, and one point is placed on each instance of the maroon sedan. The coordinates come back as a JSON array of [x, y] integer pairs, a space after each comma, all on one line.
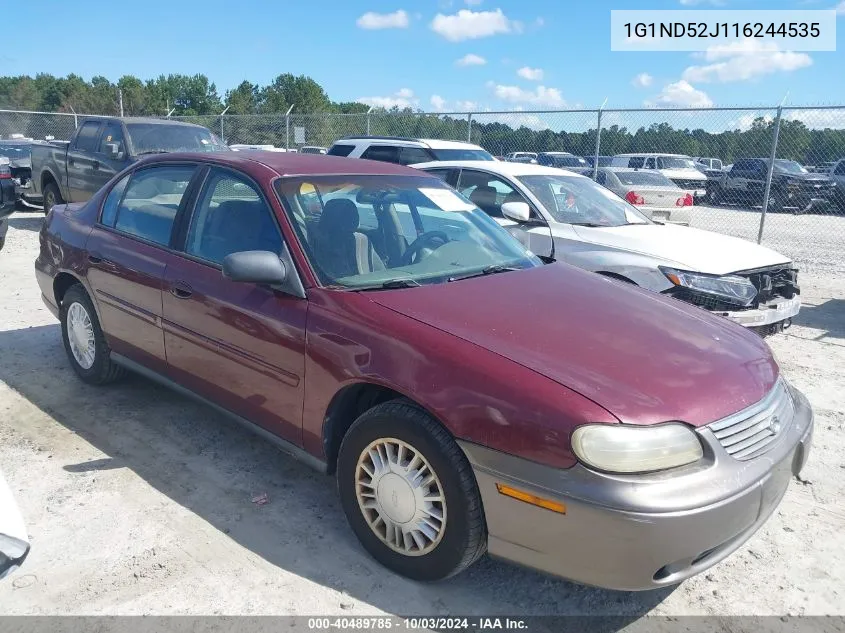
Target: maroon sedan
[[469, 398]]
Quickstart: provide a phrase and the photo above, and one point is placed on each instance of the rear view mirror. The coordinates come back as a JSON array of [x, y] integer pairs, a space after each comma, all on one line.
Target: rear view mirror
[[258, 267], [516, 211], [14, 543]]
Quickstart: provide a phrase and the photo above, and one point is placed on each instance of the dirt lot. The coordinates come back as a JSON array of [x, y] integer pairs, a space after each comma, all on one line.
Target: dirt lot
[[138, 501]]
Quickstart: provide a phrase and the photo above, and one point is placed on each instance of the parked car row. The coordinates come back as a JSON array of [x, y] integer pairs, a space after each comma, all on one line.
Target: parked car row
[[384, 324]]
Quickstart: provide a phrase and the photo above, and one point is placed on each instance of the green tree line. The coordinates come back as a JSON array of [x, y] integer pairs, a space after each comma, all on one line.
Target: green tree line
[[196, 97]]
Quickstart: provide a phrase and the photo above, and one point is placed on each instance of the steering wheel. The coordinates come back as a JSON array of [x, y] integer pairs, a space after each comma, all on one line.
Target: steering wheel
[[425, 241]]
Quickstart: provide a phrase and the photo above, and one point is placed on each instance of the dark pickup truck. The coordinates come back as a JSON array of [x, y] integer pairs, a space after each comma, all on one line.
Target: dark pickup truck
[[792, 186], [74, 170]]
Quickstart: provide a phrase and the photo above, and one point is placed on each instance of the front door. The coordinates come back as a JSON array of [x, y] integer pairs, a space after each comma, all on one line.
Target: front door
[[105, 164], [127, 257], [489, 192], [240, 345], [80, 161]]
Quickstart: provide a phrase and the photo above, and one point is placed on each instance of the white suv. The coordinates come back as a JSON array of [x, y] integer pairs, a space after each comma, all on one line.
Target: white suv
[[406, 151], [678, 168]]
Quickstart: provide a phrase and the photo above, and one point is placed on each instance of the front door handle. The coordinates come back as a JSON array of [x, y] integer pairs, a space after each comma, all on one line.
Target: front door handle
[[95, 258], [181, 290]]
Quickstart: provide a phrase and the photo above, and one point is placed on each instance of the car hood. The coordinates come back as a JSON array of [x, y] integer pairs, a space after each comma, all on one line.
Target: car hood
[[643, 357], [811, 177], [691, 249]]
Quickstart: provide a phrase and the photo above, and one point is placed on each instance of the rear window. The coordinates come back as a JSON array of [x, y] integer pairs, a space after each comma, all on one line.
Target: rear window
[[341, 150], [653, 178]]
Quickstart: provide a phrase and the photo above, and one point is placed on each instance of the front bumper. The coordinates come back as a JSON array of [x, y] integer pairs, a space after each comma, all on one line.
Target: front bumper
[[638, 532], [773, 312]]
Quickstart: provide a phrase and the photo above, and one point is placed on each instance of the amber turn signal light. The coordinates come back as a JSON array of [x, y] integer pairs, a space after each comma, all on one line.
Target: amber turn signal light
[[527, 497]]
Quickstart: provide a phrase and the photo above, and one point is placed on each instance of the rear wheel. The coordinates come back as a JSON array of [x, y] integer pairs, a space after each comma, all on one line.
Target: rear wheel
[[84, 341], [52, 196], [409, 493], [776, 202]]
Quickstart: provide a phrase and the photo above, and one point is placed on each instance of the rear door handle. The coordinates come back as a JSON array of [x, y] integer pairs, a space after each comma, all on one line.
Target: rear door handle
[[181, 290]]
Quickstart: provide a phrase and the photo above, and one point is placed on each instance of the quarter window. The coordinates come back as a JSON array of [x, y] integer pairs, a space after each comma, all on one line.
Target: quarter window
[[152, 198], [231, 216]]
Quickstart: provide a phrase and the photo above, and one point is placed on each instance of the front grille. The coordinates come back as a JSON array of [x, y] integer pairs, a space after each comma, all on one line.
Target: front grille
[[708, 302], [773, 282], [690, 185], [753, 431]]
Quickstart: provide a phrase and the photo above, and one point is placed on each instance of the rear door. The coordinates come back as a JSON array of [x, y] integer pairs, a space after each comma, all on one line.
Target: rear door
[[80, 162], [239, 345], [127, 257]]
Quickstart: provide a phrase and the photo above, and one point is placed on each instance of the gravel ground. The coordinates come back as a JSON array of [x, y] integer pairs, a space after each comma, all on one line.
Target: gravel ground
[[138, 501]]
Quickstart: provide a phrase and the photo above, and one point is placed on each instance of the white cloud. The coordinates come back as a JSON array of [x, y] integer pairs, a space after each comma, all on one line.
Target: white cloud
[[371, 20], [470, 25], [438, 103], [531, 74], [541, 96], [466, 106], [643, 80], [817, 119], [681, 94], [743, 60], [470, 59], [403, 98]]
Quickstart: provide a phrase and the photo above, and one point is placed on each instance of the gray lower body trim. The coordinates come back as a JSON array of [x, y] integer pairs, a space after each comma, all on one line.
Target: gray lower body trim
[[283, 445], [635, 533]]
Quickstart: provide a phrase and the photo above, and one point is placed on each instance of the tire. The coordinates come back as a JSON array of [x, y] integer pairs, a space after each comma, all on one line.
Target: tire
[[101, 370], [462, 535], [51, 196], [775, 203]]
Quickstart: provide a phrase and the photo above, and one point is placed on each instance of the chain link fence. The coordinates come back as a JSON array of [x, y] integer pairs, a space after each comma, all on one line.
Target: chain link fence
[[795, 203]]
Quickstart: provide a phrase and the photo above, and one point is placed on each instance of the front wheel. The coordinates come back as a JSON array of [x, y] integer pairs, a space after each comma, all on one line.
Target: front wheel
[[84, 340], [409, 493]]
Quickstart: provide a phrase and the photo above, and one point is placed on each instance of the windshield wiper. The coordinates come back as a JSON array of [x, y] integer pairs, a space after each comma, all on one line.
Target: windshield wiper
[[590, 224], [153, 151], [392, 284], [492, 269]]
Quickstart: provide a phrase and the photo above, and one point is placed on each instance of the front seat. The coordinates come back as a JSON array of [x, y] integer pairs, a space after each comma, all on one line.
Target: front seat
[[484, 197], [341, 251]]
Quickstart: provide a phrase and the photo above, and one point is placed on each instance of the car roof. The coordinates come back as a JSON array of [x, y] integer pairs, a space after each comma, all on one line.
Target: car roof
[[503, 168], [558, 153], [433, 143], [146, 120], [637, 155], [290, 163]]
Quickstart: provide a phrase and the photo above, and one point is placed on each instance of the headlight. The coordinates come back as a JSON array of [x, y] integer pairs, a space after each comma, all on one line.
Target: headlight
[[635, 449], [731, 288]]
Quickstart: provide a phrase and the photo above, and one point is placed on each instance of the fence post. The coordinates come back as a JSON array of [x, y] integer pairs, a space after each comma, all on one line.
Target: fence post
[[222, 134], [469, 127], [771, 167], [287, 128], [368, 119], [598, 146]]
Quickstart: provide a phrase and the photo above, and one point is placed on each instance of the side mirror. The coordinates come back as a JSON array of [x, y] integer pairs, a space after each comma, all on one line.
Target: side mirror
[[517, 211], [113, 151], [258, 267], [14, 543]]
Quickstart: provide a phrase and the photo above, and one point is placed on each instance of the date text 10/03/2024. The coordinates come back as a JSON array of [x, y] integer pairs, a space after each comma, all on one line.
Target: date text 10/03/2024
[[722, 29], [417, 623]]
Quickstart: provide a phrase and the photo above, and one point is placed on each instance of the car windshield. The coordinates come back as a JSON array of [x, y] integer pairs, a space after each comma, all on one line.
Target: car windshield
[[651, 178], [579, 200], [461, 154], [675, 162], [14, 152], [789, 166], [160, 137], [372, 232], [565, 160]]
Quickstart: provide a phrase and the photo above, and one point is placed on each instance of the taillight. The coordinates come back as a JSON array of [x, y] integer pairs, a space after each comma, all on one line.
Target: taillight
[[686, 201], [5, 172], [634, 198]]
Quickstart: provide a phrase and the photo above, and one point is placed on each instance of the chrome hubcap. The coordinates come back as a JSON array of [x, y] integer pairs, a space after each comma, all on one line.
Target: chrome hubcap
[[400, 497], [80, 335]]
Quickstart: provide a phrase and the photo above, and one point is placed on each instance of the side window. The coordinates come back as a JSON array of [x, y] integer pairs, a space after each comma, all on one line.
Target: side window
[[112, 135], [231, 216], [649, 163], [86, 140], [412, 155], [384, 153], [152, 198], [446, 175], [636, 162], [341, 150], [840, 168], [113, 200], [487, 192]]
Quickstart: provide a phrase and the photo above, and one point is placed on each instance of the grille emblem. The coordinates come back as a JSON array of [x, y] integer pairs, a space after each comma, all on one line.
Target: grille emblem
[[774, 425]]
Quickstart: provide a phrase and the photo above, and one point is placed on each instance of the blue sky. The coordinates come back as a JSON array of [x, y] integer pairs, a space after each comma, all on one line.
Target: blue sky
[[523, 55]]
